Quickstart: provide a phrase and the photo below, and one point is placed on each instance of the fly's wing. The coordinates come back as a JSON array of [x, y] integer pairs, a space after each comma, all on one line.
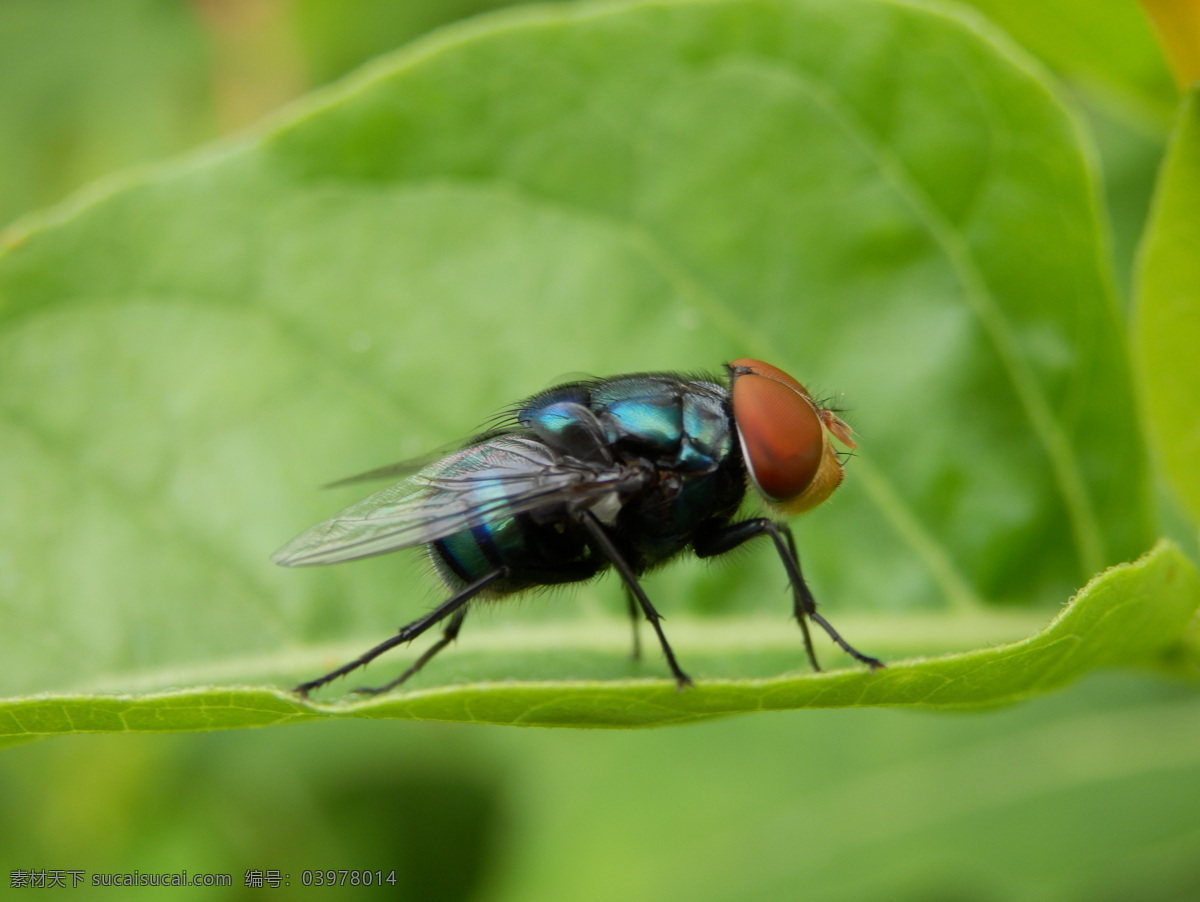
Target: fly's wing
[[389, 471], [501, 477]]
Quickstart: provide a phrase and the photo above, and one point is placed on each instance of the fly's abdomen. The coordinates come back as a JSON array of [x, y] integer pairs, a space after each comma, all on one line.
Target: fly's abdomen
[[533, 553]]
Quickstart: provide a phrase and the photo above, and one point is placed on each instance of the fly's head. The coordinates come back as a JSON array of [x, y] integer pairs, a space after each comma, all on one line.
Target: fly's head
[[785, 436]]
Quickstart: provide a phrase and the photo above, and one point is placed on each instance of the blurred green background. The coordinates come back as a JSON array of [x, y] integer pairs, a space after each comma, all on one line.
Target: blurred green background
[[1089, 794]]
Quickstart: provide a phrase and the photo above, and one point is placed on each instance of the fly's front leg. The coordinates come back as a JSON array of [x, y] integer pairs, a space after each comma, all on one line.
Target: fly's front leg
[[727, 537], [604, 545], [453, 605]]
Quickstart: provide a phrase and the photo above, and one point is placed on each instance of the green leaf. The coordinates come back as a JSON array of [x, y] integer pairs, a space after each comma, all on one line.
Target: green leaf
[[335, 43], [1168, 315], [885, 200], [1133, 614], [1107, 49], [89, 86], [1106, 53]]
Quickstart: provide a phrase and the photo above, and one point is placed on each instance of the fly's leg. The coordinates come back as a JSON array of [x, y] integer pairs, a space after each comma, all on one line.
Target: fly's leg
[[410, 632], [604, 545], [804, 606], [448, 636], [810, 604], [633, 617]]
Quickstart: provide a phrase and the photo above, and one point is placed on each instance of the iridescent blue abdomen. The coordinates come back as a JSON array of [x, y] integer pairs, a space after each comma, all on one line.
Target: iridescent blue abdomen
[[537, 551]]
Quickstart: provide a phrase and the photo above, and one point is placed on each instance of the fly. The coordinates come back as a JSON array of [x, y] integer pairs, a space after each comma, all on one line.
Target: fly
[[625, 472]]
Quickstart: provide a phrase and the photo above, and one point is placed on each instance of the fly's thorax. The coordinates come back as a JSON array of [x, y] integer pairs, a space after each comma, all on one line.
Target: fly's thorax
[[671, 419], [663, 519], [681, 423]]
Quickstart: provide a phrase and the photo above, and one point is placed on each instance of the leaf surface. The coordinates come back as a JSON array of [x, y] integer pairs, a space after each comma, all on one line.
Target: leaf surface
[[1134, 614], [1168, 320], [886, 200]]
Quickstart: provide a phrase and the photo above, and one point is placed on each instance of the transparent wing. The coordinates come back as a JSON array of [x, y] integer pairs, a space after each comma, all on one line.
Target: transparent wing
[[390, 471], [504, 476]]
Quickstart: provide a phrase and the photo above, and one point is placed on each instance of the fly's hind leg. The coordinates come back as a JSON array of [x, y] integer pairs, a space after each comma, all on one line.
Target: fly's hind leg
[[449, 634], [729, 536], [454, 605]]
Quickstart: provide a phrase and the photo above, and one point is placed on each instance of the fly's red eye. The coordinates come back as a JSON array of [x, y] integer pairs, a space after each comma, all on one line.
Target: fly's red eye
[[783, 435], [783, 439]]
